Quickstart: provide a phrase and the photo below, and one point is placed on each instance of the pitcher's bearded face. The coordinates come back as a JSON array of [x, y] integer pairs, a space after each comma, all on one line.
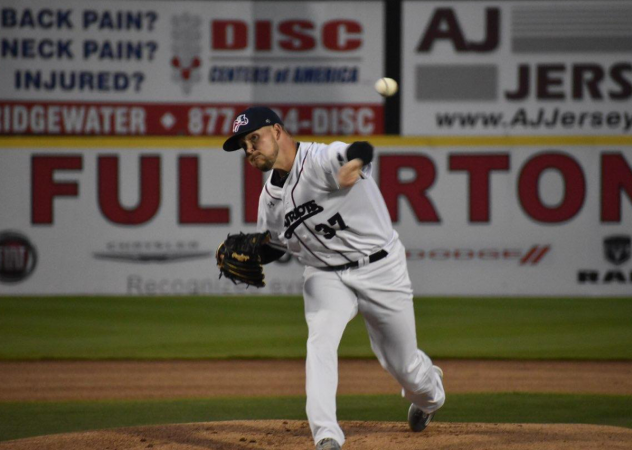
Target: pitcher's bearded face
[[261, 148]]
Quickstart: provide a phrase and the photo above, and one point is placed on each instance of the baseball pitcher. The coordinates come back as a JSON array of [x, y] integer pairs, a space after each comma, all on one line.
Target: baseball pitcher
[[321, 204]]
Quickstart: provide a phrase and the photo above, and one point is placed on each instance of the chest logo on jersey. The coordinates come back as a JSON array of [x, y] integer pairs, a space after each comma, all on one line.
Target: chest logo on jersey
[[300, 214]]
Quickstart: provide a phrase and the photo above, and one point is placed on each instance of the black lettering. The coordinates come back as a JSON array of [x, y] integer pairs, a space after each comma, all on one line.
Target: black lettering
[[9, 19], [329, 232], [613, 119], [520, 118], [522, 90], [297, 216], [567, 119], [614, 275], [588, 76], [588, 276], [45, 19], [617, 74], [596, 119], [546, 80], [311, 206], [336, 219], [492, 25], [9, 48], [63, 19], [443, 25], [27, 19], [28, 48], [63, 49], [553, 120]]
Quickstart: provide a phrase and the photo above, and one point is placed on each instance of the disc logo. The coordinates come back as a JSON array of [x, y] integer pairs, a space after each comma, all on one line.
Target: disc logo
[[18, 257], [185, 44]]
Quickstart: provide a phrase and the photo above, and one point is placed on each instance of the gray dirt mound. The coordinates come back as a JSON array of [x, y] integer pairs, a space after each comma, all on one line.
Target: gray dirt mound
[[295, 435]]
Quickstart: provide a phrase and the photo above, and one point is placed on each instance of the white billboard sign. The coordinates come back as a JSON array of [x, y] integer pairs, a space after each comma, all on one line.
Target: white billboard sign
[[517, 67], [188, 67], [529, 220]]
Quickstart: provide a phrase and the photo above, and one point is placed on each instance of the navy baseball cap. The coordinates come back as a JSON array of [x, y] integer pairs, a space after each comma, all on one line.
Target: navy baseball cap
[[248, 121]]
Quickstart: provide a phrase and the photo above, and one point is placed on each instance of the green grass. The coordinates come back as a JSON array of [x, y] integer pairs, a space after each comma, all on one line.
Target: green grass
[[274, 327], [18, 420]]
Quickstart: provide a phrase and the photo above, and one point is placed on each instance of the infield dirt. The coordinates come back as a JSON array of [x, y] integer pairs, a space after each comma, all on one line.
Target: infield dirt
[[87, 380], [295, 435], [105, 380]]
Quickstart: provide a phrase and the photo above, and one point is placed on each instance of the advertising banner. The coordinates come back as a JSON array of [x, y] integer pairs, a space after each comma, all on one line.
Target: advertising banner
[[529, 220], [517, 67], [188, 67]]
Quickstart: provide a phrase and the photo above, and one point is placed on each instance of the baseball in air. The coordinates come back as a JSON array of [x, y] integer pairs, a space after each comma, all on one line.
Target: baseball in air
[[386, 87]]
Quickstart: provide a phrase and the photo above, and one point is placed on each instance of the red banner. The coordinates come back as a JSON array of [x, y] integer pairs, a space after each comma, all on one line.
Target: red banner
[[178, 119]]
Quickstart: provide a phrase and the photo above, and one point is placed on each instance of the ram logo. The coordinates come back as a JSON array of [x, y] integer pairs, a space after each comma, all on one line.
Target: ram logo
[[617, 249]]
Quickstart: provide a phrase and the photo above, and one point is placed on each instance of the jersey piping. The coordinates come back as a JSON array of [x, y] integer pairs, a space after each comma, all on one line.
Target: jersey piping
[[298, 179], [266, 188]]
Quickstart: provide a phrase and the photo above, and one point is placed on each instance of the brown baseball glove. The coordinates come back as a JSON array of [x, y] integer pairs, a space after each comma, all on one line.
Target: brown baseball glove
[[239, 258]]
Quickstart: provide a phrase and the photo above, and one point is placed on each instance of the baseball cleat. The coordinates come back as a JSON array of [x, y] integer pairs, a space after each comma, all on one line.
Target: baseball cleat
[[328, 444], [417, 419]]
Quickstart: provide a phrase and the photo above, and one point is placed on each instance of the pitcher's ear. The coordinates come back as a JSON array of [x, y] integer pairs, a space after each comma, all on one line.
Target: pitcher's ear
[[278, 129]]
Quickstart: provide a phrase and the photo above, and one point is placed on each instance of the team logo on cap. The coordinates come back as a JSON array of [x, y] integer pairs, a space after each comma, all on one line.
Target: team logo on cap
[[239, 121]]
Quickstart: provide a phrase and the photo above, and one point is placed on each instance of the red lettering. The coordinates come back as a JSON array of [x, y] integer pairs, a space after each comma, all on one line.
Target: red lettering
[[109, 201], [190, 211], [291, 35], [229, 35], [333, 40], [574, 188], [297, 40], [253, 180], [616, 179], [44, 189], [479, 167], [414, 191], [263, 35]]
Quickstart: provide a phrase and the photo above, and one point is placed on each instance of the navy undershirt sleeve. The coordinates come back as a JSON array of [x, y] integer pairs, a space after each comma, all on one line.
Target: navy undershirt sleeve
[[362, 150]]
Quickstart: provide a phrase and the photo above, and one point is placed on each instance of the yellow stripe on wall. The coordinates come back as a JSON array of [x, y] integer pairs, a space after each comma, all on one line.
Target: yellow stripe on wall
[[380, 141]]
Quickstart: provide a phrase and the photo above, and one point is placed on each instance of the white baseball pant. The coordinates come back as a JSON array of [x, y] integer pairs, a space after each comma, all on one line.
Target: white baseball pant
[[382, 293]]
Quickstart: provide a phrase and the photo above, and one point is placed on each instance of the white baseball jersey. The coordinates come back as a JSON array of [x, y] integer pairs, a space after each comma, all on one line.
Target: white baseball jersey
[[327, 226], [317, 221]]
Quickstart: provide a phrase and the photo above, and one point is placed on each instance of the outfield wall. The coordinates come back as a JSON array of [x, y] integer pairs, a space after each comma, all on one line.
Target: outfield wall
[[516, 67], [153, 67], [520, 182], [478, 217]]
